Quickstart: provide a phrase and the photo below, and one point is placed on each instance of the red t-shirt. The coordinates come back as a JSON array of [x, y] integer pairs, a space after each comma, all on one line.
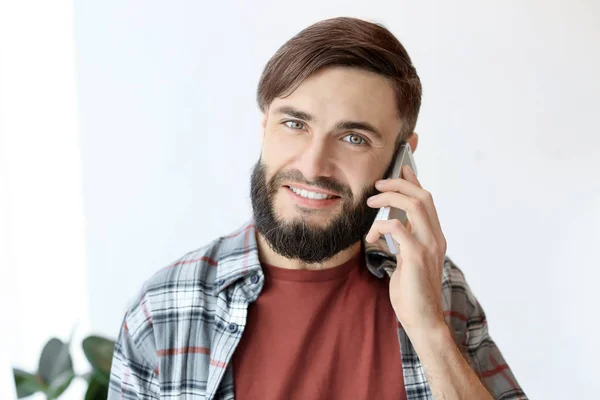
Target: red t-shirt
[[328, 334]]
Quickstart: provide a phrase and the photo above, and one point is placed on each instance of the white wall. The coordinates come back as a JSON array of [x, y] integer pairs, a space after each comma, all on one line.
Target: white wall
[[43, 286], [509, 144]]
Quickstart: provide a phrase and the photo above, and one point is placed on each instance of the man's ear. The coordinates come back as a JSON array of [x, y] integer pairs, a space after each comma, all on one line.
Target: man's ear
[[413, 140]]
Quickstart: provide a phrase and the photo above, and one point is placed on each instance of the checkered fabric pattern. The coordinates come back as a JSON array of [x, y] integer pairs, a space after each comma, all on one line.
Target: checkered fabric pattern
[[178, 336]]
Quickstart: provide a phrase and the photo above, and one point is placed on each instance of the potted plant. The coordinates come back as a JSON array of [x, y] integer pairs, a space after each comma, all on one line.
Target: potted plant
[[55, 371]]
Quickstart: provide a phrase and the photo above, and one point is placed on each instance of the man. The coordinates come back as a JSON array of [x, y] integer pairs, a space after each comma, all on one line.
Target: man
[[304, 301]]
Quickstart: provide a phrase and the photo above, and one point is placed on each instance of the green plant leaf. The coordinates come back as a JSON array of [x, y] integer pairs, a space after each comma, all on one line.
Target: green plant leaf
[[27, 383], [55, 360], [87, 376], [60, 384], [103, 377], [99, 352], [97, 389]]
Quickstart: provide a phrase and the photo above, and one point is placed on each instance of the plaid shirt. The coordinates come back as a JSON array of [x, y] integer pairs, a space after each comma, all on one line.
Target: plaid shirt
[[179, 335]]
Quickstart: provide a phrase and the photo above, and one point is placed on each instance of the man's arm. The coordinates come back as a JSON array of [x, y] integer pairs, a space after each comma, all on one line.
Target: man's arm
[[448, 373], [134, 373], [473, 369], [422, 284]]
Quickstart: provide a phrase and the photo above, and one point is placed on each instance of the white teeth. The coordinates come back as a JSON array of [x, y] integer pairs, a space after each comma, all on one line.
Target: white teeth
[[310, 195]]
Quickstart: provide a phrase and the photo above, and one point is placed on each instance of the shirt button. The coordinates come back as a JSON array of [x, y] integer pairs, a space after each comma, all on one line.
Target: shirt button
[[254, 279], [232, 327]]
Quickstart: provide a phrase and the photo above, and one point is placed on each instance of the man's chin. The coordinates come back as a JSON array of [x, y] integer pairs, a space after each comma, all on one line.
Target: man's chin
[[307, 217]]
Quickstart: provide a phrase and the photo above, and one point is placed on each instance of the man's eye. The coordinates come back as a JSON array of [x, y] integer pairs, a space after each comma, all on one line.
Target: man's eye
[[354, 139], [294, 125]]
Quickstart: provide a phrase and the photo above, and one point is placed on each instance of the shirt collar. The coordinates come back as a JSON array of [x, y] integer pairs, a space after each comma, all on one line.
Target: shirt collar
[[238, 257]]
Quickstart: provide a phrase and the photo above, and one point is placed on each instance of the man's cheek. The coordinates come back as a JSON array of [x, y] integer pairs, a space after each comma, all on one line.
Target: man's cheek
[[278, 201]]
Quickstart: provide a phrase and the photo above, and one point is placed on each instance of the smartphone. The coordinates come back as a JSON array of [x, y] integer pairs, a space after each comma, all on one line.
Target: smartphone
[[404, 156]]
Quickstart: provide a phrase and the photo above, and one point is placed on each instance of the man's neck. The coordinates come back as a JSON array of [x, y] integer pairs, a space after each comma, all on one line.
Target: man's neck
[[268, 256]]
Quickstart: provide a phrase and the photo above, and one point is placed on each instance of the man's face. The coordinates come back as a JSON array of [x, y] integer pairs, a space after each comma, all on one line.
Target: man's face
[[324, 146]]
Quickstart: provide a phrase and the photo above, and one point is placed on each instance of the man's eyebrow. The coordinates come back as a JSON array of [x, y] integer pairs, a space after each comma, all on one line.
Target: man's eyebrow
[[342, 125], [358, 125], [292, 112]]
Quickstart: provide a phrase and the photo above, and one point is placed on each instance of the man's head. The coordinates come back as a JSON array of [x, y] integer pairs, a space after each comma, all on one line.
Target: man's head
[[337, 99]]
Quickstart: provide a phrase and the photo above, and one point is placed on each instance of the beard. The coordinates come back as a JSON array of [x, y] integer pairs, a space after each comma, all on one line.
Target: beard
[[299, 239]]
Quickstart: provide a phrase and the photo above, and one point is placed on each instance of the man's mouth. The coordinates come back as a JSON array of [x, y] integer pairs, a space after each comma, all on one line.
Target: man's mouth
[[309, 194]]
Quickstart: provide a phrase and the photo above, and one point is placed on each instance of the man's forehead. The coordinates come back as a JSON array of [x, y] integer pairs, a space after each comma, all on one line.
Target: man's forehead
[[344, 94]]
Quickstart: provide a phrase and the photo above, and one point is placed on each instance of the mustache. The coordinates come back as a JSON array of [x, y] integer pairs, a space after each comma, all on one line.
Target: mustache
[[321, 182], [297, 238]]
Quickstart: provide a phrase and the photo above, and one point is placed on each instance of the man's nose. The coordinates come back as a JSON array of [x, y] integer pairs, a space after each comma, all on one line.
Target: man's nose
[[316, 160]]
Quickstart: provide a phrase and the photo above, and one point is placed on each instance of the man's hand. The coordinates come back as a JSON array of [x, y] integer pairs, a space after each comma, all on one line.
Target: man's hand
[[416, 284]]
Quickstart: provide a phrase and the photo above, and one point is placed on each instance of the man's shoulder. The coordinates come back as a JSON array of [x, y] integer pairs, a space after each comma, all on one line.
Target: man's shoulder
[[455, 283], [195, 269], [461, 308], [195, 265], [193, 274], [186, 289], [175, 294]]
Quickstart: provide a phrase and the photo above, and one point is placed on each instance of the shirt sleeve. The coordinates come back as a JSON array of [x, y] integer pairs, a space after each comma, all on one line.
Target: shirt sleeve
[[134, 372], [478, 347]]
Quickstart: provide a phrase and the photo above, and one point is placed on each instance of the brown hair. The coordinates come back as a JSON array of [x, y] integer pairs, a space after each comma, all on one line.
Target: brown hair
[[344, 42]]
